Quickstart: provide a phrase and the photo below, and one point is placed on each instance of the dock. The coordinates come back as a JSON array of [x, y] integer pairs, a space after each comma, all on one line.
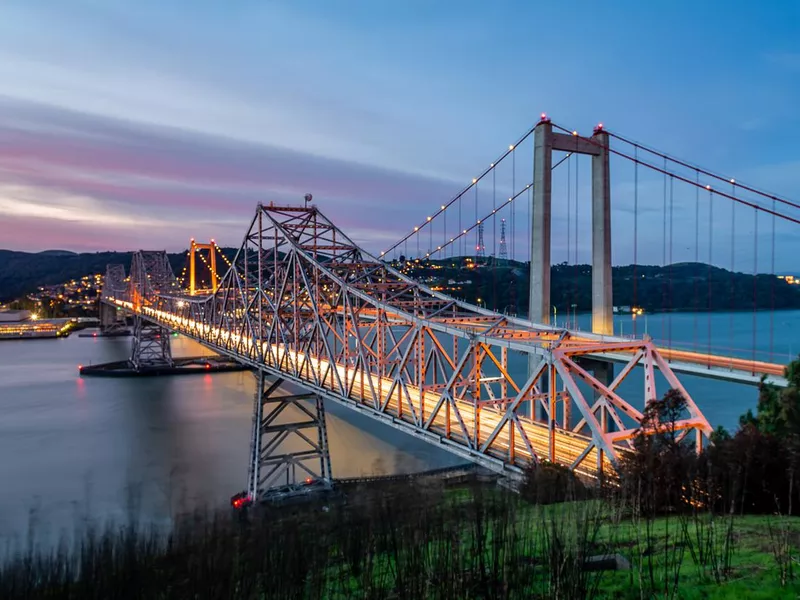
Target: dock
[[181, 366]]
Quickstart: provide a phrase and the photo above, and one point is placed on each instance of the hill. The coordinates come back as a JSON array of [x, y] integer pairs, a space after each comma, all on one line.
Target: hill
[[23, 272], [501, 286]]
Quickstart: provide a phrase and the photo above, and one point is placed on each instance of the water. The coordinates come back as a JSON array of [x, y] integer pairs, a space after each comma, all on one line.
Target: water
[[73, 448]]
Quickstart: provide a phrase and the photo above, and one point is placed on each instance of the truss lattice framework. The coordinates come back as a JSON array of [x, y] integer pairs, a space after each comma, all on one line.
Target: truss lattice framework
[[303, 302], [151, 347], [289, 438]]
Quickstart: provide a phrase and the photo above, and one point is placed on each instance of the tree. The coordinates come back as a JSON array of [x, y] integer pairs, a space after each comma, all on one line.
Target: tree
[[656, 473], [778, 410]]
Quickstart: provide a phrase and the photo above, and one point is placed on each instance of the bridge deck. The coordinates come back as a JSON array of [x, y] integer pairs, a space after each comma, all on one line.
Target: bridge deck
[[479, 421]]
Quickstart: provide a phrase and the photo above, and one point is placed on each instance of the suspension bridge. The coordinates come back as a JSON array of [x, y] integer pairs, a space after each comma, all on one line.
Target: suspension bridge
[[302, 303]]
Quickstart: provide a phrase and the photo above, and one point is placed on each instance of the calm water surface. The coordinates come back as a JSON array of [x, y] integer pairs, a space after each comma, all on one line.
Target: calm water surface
[[73, 448]]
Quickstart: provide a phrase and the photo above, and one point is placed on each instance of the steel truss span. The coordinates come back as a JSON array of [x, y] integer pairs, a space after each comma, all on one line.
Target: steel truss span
[[303, 303]]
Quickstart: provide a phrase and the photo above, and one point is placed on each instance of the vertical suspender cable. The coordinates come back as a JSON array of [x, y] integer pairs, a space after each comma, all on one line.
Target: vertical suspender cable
[[460, 224], [494, 239], [444, 232], [755, 280], [671, 207], [664, 253], [772, 288], [494, 208], [575, 237], [635, 227], [528, 214], [732, 285], [477, 229], [513, 193], [710, 257], [569, 232], [696, 253]]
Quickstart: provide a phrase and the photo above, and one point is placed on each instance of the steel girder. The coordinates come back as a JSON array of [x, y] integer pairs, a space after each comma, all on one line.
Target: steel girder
[[303, 301]]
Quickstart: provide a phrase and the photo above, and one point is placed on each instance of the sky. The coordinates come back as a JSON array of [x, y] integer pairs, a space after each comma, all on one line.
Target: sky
[[129, 125]]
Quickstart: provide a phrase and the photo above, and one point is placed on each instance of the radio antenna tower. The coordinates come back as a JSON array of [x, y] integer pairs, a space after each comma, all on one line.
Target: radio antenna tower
[[503, 245], [481, 249]]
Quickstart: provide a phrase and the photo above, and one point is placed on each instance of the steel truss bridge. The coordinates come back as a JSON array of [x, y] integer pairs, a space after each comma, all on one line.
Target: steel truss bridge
[[301, 303]]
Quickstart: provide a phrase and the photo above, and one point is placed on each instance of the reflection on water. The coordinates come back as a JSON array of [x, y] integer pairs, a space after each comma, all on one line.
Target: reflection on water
[[72, 447]]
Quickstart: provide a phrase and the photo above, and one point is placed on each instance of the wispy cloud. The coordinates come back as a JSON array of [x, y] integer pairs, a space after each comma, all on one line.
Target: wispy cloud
[[76, 167]]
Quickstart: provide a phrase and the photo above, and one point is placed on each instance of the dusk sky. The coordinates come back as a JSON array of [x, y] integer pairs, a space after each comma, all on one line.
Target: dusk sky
[[143, 123]]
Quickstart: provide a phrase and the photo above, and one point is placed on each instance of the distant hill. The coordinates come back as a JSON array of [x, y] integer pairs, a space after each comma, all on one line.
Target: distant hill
[[23, 272], [680, 287], [677, 287]]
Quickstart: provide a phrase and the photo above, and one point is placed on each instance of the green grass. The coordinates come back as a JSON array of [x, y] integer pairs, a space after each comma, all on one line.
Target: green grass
[[414, 542]]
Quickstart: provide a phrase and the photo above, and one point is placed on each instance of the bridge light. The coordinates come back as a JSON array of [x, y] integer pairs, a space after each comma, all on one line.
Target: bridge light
[[479, 221], [708, 187], [491, 166], [465, 231], [429, 218], [443, 206], [544, 116], [416, 228], [574, 133], [474, 180], [511, 147], [599, 126], [382, 253], [733, 181]]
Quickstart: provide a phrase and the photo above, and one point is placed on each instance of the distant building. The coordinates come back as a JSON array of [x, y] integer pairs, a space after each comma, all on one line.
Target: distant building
[[14, 316]]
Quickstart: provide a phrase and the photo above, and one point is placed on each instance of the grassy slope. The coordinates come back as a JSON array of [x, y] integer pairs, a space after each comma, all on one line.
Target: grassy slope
[[411, 543]]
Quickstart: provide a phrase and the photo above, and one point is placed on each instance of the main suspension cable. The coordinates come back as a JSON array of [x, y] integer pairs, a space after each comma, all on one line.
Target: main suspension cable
[[705, 172]]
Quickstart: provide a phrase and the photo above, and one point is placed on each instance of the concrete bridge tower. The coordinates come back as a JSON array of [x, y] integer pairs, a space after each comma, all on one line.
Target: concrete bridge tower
[[545, 142]]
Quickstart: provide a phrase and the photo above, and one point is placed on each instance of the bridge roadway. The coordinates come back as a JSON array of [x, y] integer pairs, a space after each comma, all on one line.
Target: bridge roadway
[[570, 448], [699, 364], [507, 444]]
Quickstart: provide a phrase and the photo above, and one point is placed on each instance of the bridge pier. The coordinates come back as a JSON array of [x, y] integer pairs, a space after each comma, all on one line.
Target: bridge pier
[[282, 444], [109, 318], [151, 347]]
